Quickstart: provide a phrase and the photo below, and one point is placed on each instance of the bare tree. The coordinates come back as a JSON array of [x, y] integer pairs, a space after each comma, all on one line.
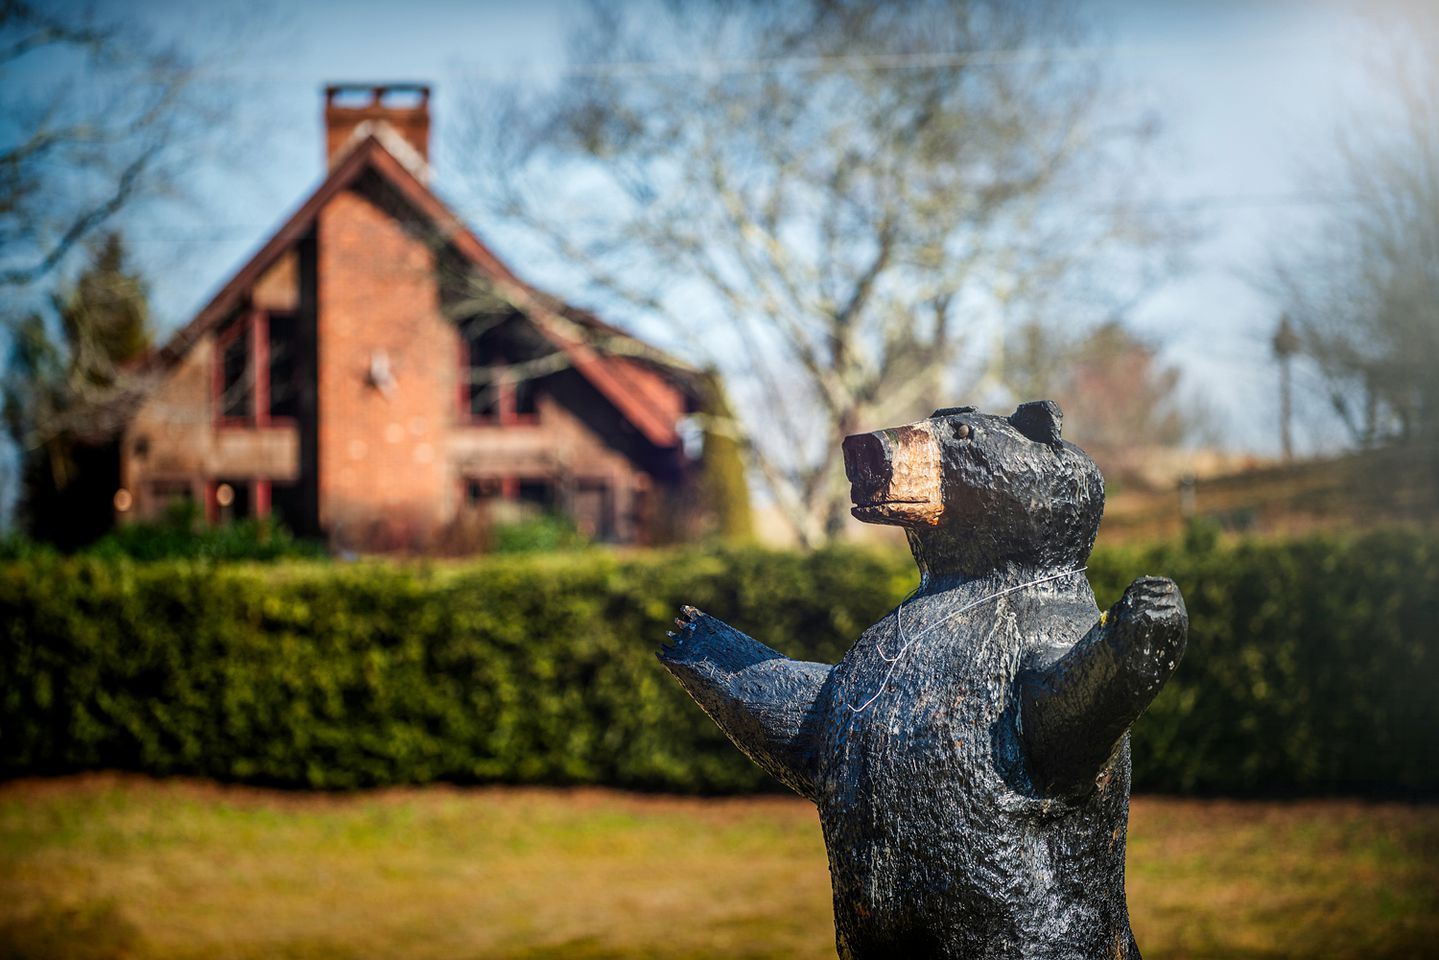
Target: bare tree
[[101, 120], [98, 115], [1363, 290], [822, 198]]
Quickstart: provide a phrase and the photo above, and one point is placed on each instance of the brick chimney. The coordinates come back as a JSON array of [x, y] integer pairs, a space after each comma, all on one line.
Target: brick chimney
[[397, 114]]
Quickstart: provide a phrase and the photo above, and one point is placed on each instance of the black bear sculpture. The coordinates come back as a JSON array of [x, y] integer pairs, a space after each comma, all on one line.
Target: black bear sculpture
[[970, 754]]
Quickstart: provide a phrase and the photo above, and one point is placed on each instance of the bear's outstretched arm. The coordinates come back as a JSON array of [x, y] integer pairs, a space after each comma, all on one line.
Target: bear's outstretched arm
[[1073, 713], [761, 699]]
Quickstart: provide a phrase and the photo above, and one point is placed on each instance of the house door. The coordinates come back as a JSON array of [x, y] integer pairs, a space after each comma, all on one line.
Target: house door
[[592, 508]]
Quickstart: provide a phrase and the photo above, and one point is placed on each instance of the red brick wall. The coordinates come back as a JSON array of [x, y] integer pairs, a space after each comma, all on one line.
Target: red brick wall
[[382, 472]]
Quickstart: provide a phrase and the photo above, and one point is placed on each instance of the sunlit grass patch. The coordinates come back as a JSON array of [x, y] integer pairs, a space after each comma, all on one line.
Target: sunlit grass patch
[[109, 867]]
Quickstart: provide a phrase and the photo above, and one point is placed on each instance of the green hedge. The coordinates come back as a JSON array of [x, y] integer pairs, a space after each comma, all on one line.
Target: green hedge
[[1311, 665]]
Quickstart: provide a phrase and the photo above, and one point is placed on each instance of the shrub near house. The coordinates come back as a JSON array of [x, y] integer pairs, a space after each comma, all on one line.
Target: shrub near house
[[1311, 665]]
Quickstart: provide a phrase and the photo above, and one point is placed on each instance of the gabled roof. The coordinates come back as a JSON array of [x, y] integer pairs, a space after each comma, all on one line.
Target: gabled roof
[[630, 374]]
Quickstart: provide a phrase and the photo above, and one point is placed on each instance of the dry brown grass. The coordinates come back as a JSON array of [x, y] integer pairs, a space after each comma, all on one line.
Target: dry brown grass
[[106, 866]]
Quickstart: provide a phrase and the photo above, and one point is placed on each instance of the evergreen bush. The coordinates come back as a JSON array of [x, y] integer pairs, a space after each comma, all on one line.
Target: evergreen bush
[[1311, 664]]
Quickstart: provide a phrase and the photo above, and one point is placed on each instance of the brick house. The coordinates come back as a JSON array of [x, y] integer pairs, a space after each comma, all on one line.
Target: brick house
[[376, 375]]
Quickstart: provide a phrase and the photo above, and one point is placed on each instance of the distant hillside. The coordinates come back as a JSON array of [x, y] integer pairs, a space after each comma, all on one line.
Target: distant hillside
[[1373, 488]]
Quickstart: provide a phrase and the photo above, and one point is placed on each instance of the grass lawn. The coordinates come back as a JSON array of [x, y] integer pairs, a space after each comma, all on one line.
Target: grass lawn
[[106, 866]]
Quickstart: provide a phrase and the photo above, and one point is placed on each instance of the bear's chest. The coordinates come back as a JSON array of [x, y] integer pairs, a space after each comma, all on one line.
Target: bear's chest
[[927, 692], [920, 692], [912, 674]]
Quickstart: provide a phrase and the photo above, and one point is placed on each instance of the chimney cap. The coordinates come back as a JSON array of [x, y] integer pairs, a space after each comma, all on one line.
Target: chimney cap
[[368, 96]]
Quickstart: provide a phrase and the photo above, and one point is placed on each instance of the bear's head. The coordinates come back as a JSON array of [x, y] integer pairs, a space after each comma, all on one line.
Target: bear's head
[[977, 492]]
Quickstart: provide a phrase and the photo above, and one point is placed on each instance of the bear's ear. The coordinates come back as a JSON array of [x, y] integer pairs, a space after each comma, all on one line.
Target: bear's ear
[[1039, 420]]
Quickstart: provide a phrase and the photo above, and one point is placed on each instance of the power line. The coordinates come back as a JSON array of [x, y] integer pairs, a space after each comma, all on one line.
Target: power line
[[238, 232], [944, 60], [735, 66]]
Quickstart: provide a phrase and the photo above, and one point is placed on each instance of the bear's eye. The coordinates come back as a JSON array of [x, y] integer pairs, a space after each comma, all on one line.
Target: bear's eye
[[963, 431]]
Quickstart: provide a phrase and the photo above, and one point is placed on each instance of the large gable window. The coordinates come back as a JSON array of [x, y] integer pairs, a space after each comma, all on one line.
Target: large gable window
[[257, 370], [235, 374], [236, 396], [284, 376], [494, 390]]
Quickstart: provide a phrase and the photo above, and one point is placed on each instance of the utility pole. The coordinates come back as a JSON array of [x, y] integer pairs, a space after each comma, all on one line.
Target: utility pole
[[1286, 345]]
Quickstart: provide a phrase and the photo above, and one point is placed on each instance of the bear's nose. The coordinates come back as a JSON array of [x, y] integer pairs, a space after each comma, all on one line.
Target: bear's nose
[[867, 461]]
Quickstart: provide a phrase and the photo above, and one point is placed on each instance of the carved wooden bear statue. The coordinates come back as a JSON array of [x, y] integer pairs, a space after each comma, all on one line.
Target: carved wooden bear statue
[[970, 753]]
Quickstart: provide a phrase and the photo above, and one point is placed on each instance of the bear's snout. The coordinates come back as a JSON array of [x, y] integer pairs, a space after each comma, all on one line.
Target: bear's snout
[[894, 475], [866, 463]]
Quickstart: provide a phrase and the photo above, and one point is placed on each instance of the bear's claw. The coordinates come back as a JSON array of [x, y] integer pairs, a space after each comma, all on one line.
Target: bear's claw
[[1156, 599], [688, 619]]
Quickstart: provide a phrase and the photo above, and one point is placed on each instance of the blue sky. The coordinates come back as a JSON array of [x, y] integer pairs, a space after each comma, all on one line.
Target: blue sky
[[1247, 93]]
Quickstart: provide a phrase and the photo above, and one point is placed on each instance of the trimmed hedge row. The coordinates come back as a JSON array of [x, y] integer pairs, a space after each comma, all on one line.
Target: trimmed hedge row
[[1311, 665]]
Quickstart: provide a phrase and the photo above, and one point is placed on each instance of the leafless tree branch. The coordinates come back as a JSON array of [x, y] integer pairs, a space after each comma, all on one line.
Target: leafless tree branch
[[842, 222]]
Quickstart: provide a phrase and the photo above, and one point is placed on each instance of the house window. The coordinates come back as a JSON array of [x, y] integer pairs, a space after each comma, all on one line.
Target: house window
[[235, 376], [526, 398], [513, 497], [482, 490], [289, 505], [257, 370], [536, 493], [284, 364], [491, 393], [592, 508]]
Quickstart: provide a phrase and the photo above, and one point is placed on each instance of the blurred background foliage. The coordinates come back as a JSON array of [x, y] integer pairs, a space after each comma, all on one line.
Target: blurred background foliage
[[1309, 666]]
